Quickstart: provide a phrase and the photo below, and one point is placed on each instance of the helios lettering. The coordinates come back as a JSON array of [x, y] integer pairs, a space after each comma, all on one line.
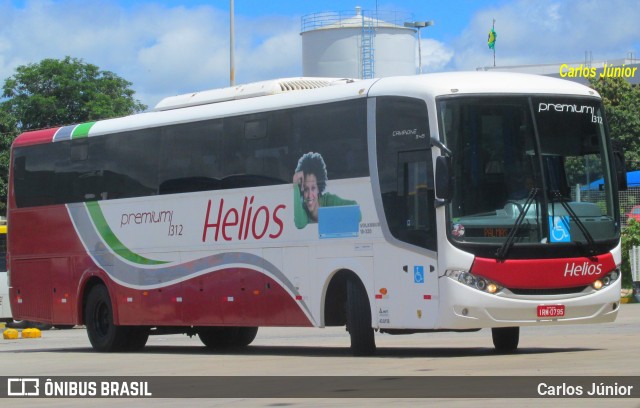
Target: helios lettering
[[240, 224], [584, 269]]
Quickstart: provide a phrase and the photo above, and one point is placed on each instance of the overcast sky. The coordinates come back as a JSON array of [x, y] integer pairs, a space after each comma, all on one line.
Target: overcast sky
[[171, 47]]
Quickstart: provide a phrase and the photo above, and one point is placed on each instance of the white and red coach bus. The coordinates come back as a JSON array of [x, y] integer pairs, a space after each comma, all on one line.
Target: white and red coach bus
[[454, 201]]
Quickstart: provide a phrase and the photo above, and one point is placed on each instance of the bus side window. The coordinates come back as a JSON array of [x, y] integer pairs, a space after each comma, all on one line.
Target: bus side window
[[416, 191]]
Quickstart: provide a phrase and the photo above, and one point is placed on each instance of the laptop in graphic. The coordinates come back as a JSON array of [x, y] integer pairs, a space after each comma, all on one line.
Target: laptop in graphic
[[339, 222]]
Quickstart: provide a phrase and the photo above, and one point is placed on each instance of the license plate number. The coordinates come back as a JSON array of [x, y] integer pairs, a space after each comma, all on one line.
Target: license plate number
[[551, 311]]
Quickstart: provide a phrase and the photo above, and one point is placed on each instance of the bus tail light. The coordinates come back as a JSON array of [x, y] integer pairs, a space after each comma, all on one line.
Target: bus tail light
[[476, 282]]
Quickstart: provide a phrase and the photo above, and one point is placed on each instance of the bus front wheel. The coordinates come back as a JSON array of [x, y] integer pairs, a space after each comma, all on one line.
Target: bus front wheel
[[103, 334], [359, 320], [505, 339]]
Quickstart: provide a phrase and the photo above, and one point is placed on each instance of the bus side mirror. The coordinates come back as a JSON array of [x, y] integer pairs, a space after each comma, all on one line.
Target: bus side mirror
[[621, 170], [443, 180]]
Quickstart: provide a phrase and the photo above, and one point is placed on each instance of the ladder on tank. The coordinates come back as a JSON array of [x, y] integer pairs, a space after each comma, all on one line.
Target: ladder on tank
[[367, 48]]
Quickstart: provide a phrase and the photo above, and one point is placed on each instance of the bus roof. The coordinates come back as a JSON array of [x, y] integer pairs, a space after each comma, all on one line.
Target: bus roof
[[270, 95], [481, 83]]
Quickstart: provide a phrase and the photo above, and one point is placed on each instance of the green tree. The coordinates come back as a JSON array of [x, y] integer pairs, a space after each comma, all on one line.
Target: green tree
[[622, 106], [60, 92], [8, 132]]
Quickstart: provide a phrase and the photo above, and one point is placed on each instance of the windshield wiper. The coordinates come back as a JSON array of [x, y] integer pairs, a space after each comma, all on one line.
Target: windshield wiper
[[502, 252], [591, 244]]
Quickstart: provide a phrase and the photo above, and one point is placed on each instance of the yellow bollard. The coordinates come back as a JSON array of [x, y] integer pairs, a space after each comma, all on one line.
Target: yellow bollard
[[10, 334], [31, 334]]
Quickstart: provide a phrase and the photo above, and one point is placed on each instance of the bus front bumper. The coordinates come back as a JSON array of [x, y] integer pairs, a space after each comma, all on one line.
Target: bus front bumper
[[462, 307]]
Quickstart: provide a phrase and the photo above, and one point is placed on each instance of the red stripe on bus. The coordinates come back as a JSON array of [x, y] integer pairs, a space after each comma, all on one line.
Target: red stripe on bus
[[35, 137], [544, 273]]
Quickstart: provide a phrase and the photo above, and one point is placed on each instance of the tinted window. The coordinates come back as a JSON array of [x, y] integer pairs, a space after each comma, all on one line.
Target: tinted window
[[34, 173], [235, 152], [405, 170]]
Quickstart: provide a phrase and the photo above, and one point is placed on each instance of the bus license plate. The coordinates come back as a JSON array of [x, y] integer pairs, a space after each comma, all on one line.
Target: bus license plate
[[551, 311]]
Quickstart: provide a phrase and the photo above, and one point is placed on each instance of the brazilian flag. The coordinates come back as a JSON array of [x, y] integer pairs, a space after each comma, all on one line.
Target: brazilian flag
[[493, 36]]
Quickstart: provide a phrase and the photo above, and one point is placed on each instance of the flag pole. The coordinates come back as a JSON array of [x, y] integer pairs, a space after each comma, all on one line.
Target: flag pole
[[491, 40], [232, 65], [493, 27]]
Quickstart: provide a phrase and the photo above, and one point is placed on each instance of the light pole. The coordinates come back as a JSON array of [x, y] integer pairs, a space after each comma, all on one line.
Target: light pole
[[232, 68], [418, 25]]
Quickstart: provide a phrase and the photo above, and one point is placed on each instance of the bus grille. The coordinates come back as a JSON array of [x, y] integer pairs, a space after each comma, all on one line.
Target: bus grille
[[543, 292]]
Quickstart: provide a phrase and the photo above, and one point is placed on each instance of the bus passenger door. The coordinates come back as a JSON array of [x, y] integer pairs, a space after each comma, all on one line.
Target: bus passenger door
[[407, 269], [406, 264], [420, 279]]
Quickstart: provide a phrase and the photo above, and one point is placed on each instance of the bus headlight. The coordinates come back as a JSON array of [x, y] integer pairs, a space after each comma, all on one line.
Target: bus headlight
[[476, 282], [606, 280]]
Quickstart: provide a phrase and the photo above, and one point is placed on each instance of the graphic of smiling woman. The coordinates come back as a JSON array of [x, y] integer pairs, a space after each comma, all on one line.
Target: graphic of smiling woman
[[309, 184]]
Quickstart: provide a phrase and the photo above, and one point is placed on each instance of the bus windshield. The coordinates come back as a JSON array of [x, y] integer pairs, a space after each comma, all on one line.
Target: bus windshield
[[528, 170]]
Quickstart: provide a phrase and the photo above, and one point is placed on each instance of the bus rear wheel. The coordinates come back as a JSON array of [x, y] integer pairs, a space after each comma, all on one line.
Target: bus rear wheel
[[136, 338], [359, 320], [227, 337], [103, 334], [505, 339]]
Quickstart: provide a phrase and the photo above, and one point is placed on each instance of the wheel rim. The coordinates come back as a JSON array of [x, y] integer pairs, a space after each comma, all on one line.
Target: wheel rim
[[101, 319]]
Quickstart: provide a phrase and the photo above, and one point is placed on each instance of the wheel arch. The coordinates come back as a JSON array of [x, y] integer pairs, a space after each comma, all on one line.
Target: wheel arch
[[334, 297], [87, 284]]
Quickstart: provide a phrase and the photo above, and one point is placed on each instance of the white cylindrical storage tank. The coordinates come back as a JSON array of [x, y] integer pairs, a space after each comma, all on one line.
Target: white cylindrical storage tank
[[351, 45]]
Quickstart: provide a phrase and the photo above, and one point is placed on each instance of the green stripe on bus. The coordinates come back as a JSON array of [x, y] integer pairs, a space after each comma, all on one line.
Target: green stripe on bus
[[112, 241], [82, 130]]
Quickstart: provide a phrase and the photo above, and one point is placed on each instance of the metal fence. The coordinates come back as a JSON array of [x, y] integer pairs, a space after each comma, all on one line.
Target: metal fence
[[634, 259], [349, 18], [628, 199]]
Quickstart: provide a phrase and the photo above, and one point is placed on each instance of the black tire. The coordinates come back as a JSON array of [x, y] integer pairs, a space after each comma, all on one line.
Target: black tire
[[25, 324], [505, 339], [227, 337], [245, 336], [359, 320], [137, 337], [103, 334], [40, 326], [18, 324]]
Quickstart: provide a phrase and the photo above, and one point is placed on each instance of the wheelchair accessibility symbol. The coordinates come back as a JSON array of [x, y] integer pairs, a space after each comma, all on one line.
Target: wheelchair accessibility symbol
[[559, 229], [418, 274]]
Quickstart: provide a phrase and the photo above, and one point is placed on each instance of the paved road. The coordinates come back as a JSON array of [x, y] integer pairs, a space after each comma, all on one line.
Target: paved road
[[581, 350]]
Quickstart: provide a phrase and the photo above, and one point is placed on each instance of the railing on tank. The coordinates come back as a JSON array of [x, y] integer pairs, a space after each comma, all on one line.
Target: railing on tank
[[349, 18]]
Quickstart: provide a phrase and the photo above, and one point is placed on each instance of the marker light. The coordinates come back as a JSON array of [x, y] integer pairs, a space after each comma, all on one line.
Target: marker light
[[492, 288]]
